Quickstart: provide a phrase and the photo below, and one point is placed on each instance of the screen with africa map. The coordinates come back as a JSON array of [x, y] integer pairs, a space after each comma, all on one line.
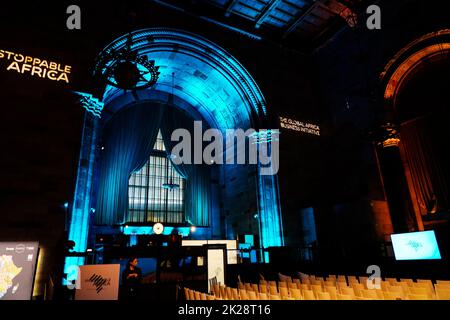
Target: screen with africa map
[[17, 269]]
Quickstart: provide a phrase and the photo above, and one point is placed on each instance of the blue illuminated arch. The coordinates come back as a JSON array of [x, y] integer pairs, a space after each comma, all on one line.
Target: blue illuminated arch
[[208, 80]]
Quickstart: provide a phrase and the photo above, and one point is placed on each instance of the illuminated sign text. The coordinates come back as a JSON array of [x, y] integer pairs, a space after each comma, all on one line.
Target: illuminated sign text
[[36, 66], [299, 126]]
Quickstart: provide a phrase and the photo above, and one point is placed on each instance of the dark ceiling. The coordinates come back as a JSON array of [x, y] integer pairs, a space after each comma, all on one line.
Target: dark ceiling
[[297, 24]]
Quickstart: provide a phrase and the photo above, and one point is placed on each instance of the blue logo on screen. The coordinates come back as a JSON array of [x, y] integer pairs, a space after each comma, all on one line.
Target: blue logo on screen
[[416, 246]]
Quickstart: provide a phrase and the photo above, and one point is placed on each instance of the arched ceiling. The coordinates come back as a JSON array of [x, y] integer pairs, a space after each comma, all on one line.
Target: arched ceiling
[[204, 76]]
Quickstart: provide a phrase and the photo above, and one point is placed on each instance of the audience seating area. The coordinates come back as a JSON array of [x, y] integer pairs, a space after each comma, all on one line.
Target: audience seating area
[[332, 287]]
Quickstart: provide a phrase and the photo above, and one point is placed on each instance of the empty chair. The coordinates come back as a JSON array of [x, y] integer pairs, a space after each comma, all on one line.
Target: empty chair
[[248, 287], [445, 282], [392, 281], [344, 297], [408, 281], [262, 289], [352, 279], [292, 285], [223, 292], [284, 292], [441, 286], [197, 295], [273, 290], [186, 293], [393, 295], [241, 285], [332, 291], [210, 297], [347, 291], [297, 282], [385, 285], [372, 294], [191, 295], [317, 282], [272, 283], [305, 287], [323, 296], [263, 283], [397, 290], [234, 294], [308, 295], [252, 295], [216, 290], [203, 296], [363, 281], [263, 296], [255, 287], [329, 284], [296, 294], [243, 294], [418, 297], [305, 281], [282, 284], [229, 293], [341, 279], [443, 294], [421, 291], [357, 288], [316, 289]]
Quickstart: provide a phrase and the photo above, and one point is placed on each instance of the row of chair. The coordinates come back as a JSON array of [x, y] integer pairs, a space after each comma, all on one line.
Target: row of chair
[[353, 288]]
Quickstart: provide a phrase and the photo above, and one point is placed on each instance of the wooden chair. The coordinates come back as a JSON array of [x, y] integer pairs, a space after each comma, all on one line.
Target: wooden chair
[[191, 295], [297, 282], [255, 287], [210, 297], [203, 296], [241, 285], [186, 293], [272, 283], [282, 284], [248, 287], [197, 295]]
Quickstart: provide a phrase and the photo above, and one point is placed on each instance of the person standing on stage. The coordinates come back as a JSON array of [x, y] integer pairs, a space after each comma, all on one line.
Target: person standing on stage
[[131, 279]]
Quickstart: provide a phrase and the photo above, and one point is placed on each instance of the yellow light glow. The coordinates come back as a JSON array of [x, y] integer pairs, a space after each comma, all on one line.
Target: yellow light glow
[[36, 67]]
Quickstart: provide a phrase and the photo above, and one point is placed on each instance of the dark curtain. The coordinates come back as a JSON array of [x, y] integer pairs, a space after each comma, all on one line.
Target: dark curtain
[[198, 184], [128, 139], [424, 141]]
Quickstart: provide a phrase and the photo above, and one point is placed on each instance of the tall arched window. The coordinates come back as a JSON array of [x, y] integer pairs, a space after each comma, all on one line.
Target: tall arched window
[[156, 191]]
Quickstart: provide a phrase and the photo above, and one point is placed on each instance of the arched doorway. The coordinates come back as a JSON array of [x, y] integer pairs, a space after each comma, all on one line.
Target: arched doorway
[[415, 91], [203, 80]]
